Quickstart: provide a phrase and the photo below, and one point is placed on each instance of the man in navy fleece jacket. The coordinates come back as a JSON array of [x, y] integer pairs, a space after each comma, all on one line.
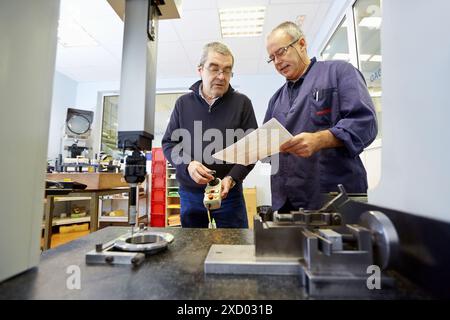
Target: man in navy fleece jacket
[[206, 120]]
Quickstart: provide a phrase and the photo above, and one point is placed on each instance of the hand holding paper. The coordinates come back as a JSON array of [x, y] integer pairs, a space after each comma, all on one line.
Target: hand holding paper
[[259, 144]]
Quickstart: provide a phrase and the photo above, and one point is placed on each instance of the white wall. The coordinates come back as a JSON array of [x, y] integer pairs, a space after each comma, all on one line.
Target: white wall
[[415, 161], [371, 158], [64, 96], [28, 33]]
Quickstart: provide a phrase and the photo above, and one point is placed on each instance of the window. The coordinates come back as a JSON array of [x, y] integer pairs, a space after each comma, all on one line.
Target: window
[[358, 36], [110, 126], [368, 20], [165, 102], [357, 40], [109, 136], [337, 46]]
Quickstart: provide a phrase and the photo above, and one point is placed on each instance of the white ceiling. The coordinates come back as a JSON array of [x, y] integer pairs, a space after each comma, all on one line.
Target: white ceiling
[[181, 40]]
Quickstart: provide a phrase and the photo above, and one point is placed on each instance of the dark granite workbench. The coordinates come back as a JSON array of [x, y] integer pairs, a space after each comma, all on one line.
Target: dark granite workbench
[[176, 273]]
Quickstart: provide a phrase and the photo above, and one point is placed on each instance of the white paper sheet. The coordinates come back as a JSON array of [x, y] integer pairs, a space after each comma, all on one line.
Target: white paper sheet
[[259, 144]]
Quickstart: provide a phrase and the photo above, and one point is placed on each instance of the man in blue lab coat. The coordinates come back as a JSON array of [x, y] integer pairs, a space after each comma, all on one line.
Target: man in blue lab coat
[[327, 108]]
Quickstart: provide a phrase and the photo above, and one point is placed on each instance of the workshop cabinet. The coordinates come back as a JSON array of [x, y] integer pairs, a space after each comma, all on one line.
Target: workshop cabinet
[[250, 204], [69, 211], [173, 197], [165, 199], [114, 209], [158, 189]]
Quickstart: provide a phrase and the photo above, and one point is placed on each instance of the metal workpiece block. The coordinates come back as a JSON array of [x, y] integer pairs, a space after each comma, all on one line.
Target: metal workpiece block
[[241, 259], [275, 240], [112, 257], [342, 285], [338, 262], [334, 237], [331, 284]]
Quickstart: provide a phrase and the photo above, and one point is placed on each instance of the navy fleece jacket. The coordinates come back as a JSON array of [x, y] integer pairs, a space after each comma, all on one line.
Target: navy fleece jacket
[[185, 139]]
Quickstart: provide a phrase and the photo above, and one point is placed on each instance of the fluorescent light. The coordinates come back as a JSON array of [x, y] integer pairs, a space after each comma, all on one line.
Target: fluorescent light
[[376, 58], [375, 94], [370, 22], [242, 22], [364, 57], [72, 34], [341, 56], [325, 56]]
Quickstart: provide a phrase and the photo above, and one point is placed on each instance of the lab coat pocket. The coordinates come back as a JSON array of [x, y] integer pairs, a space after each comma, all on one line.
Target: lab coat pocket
[[321, 102]]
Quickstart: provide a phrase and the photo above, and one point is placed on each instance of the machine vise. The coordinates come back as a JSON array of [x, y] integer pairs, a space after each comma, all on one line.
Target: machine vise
[[332, 258]]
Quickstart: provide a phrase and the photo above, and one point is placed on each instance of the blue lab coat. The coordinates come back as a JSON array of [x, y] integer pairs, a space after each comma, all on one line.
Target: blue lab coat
[[331, 95]]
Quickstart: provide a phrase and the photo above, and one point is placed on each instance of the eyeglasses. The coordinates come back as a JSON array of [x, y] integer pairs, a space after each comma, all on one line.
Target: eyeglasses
[[281, 52], [215, 71]]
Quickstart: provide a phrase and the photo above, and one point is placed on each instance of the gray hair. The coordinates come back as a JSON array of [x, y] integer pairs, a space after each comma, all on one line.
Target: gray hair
[[290, 28], [215, 47]]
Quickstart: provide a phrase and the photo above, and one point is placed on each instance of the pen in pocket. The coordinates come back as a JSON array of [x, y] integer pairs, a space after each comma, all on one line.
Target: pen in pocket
[[316, 94]]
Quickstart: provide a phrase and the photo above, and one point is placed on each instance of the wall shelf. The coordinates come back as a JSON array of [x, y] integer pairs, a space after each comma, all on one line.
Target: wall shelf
[[173, 205], [64, 199], [65, 221], [113, 219]]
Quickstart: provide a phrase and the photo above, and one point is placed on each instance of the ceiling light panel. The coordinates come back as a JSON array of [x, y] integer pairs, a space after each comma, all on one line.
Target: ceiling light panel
[[242, 22]]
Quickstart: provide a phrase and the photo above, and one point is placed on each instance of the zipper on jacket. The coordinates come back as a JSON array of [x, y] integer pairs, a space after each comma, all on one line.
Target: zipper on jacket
[[211, 106]]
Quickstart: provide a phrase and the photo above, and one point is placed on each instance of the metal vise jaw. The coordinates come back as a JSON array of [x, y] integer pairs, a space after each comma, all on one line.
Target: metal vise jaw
[[282, 236]]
